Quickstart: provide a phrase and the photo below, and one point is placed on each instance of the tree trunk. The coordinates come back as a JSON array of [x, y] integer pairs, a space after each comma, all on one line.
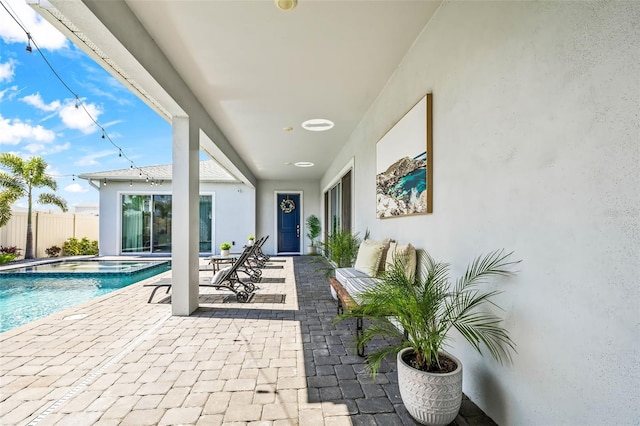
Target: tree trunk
[[28, 250]]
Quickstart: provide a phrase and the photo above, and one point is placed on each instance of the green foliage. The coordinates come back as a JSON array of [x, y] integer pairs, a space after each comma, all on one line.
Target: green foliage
[[225, 246], [341, 249], [6, 258], [428, 306], [8, 254], [75, 247], [313, 228], [53, 251], [252, 237]]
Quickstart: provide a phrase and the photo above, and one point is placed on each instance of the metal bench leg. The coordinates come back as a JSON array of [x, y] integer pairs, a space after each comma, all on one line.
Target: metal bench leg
[[359, 348]]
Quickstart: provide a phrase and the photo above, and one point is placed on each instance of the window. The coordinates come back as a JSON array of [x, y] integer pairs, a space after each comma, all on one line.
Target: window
[[146, 223], [337, 206]]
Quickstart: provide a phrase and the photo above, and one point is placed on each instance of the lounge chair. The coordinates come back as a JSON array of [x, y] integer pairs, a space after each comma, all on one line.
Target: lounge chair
[[226, 278]]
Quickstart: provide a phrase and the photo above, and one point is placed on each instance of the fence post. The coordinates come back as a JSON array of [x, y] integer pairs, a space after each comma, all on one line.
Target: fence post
[[35, 240]]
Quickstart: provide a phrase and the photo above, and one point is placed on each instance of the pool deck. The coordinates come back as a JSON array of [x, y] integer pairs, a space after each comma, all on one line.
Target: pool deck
[[278, 360]]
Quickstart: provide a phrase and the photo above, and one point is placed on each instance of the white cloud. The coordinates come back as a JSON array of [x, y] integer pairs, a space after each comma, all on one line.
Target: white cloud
[[35, 100], [42, 32], [39, 149], [92, 159], [7, 70], [14, 131], [10, 93], [76, 187], [80, 118]]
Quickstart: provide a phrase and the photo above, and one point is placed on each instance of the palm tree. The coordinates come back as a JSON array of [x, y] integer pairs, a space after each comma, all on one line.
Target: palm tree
[[19, 182]]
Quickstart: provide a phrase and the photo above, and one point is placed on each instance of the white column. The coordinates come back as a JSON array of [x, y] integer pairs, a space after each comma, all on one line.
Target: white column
[[185, 211]]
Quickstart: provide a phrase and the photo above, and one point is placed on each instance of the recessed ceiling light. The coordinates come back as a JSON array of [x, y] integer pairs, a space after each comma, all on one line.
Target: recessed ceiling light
[[286, 4], [303, 164], [318, 124]]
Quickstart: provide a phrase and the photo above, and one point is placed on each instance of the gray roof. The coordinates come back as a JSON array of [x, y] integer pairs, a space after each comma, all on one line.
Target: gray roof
[[210, 171]]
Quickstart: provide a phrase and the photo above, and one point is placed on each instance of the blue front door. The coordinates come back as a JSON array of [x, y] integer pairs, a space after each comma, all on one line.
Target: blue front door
[[288, 211]]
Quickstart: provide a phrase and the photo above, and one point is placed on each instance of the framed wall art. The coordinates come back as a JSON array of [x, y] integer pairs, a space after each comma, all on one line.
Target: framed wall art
[[404, 164]]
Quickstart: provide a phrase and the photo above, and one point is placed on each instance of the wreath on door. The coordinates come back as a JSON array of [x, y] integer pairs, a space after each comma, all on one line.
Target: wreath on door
[[287, 205]]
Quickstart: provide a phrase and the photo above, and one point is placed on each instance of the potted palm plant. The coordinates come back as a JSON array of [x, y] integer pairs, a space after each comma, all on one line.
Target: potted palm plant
[[313, 232], [417, 312]]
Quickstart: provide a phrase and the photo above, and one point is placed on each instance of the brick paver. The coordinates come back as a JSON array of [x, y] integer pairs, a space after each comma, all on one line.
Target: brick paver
[[261, 363]]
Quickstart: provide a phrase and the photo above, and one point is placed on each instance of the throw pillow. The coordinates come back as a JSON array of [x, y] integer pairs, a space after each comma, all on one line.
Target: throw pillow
[[369, 257], [406, 254]]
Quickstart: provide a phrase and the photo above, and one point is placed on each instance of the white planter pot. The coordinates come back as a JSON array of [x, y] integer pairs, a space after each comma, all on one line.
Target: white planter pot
[[224, 253], [431, 399], [311, 250]]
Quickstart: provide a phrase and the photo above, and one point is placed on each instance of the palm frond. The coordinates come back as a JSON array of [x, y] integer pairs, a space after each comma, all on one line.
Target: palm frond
[[53, 199]]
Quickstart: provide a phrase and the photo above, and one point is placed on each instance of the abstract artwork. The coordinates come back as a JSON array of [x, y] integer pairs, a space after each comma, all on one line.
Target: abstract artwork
[[404, 165]]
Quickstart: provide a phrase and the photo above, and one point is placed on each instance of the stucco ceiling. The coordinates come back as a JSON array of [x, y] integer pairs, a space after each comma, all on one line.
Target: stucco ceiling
[[257, 69]]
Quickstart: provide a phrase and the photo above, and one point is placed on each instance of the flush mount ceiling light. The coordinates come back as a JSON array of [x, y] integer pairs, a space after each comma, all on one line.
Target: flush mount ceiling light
[[303, 164], [318, 125], [286, 4]]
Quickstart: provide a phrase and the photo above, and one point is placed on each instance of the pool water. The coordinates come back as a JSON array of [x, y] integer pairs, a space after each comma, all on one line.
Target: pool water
[[90, 267], [27, 295]]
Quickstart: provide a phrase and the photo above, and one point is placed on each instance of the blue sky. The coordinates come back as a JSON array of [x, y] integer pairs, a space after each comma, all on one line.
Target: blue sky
[[38, 116]]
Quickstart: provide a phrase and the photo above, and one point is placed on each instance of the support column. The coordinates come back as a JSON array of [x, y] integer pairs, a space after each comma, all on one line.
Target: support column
[[185, 210]]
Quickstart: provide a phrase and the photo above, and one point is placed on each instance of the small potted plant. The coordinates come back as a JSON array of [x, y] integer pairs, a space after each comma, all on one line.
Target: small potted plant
[[418, 312], [313, 232], [251, 239], [224, 249]]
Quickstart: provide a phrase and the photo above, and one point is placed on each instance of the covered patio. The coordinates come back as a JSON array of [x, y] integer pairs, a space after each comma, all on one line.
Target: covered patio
[[535, 149], [119, 360]]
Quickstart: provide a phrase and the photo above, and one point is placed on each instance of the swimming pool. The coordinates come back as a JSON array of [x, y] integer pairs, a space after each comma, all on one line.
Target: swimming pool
[[30, 293]]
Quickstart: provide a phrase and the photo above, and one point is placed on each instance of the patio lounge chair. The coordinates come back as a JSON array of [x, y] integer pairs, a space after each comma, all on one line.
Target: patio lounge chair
[[224, 279]]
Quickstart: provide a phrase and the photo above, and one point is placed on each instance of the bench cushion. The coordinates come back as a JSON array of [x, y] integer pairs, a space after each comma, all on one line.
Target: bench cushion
[[354, 281]]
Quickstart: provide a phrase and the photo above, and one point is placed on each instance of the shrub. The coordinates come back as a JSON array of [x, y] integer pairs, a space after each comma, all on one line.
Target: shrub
[[53, 251], [75, 247], [10, 250], [8, 254], [225, 246], [6, 258]]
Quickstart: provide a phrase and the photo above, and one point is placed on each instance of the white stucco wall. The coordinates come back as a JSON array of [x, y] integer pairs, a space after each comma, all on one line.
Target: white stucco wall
[[266, 208], [234, 212], [536, 150]]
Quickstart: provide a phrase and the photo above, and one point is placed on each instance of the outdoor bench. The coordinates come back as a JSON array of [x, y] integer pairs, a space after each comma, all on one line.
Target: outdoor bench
[[349, 283]]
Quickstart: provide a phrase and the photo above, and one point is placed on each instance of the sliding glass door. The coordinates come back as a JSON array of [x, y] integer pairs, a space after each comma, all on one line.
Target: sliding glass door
[[146, 223], [136, 223]]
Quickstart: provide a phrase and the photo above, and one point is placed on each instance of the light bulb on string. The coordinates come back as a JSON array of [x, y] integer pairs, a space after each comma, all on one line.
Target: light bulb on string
[[29, 49], [120, 153]]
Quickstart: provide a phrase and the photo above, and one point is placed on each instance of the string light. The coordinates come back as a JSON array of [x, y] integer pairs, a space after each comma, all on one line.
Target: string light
[[78, 101]]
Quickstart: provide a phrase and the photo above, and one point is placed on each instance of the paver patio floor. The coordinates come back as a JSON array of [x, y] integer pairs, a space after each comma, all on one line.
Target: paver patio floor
[[262, 363]]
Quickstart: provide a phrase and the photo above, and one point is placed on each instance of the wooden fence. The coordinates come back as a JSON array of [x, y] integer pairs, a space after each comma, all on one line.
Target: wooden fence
[[49, 229]]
